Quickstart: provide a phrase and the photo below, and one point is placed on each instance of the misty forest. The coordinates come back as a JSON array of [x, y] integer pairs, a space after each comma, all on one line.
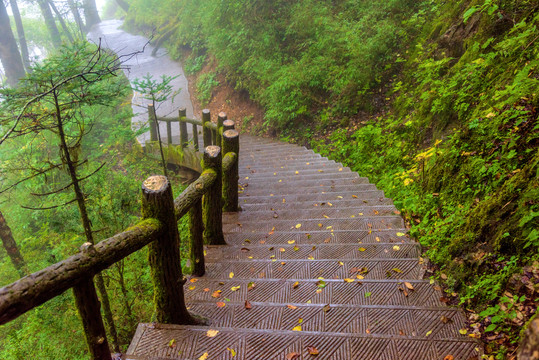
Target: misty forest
[[254, 179]]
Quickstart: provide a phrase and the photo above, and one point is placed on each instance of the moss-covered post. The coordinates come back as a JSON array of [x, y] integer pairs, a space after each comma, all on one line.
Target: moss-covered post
[[228, 125], [183, 127], [220, 120], [169, 132], [197, 242], [89, 309], [231, 151], [195, 137], [153, 122], [206, 132], [164, 254], [212, 212]]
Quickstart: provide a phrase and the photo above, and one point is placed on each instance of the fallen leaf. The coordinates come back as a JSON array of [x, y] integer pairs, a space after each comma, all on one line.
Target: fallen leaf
[[428, 333], [212, 333], [463, 331], [192, 287], [291, 307], [449, 357], [216, 293], [341, 263], [221, 304], [235, 288], [193, 280], [248, 305], [359, 277], [396, 248], [231, 275], [204, 356], [310, 257], [445, 319], [172, 343], [377, 239], [321, 284], [327, 241], [408, 285], [354, 196], [368, 294], [348, 280], [326, 308], [300, 320], [399, 234], [362, 249], [295, 285], [298, 226], [232, 351], [296, 248], [312, 350], [206, 289], [297, 328], [291, 241], [292, 356], [250, 286], [397, 270], [282, 250]]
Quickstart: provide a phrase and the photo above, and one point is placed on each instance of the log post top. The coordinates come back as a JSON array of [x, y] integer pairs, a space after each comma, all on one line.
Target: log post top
[[231, 134], [213, 151], [155, 183]]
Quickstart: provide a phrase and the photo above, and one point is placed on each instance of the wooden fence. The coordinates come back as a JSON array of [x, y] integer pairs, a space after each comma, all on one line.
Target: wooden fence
[[201, 201]]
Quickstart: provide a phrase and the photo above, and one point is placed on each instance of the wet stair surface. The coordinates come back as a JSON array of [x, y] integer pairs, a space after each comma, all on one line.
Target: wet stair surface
[[316, 262]]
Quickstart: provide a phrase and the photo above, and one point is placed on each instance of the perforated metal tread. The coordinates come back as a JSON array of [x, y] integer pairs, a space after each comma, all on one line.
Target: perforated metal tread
[[322, 250]]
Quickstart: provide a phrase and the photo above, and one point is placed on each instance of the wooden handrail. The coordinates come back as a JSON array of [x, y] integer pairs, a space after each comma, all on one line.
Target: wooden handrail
[[35, 289], [202, 200]]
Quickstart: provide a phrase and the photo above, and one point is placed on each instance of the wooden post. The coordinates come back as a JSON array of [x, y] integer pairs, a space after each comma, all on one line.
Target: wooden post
[[164, 254], [89, 306], [220, 120], [231, 148], [206, 132], [212, 212], [195, 137], [153, 123], [169, 132], [197, 242], [183, 127], [228, 125]]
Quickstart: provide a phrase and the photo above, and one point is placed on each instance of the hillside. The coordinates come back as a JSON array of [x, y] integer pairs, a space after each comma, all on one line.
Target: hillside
[[434, 101]]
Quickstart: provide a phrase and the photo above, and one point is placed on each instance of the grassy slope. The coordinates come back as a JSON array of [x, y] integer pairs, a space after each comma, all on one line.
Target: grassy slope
[[458, 148]]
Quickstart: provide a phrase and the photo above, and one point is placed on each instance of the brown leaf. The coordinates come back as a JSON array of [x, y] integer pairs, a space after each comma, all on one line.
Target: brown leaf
[[449, 357], [326, 308], [248, 305], [291, 307], [245, 250], [312, 350], [408, 285], [295, 285], [445, 319], [220, 304], [292, 356], [216, 294]]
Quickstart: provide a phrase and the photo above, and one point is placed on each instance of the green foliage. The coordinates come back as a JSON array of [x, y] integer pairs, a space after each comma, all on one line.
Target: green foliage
[[205, 85], [295, 58]]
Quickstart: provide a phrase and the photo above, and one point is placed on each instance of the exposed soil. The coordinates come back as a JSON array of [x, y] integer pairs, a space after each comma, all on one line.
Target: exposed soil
[[236, 104]]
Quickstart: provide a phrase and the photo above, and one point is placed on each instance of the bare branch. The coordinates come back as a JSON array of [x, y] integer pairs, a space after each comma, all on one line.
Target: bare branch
[[50, 207]]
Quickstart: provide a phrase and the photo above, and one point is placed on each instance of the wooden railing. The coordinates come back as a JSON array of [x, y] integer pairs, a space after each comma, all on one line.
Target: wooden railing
[[202, 200]]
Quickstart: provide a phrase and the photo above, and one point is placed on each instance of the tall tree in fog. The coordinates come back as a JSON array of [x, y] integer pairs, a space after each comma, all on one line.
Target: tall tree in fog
[[49, 22], [60, 18], [74, 7], [123, 4], [9, 52], [90, 13], [20, 33]]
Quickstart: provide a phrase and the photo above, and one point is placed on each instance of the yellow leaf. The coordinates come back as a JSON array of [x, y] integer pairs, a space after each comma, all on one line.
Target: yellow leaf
[[280, 181], [463, 331], [339, 197], [232, 351], [300, 320], [362, 249], [310, 257], [360, 277], [348, 280], [235, 288], [297, 328], [192, 287], [291, 241], [296, 248], [231, 275], [340, 169], [297, 172], [204, 356], [399, 234], [408, 285], [341, 263], [327, 217], [298, 226], [396, 248], [291, 307], [247, 178], [377, 239], [428, 333], [354, 196], [329, 227], [212, 333], [282, 250], [295, 285], [330, 204], [193, 280]]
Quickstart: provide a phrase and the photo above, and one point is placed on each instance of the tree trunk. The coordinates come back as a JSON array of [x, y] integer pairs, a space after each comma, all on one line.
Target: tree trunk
[[11, 247], [67, 32], [90, 13], [71, 165], [76, 15], [49, 22], [20, 33], [9, 52], [123, 4]]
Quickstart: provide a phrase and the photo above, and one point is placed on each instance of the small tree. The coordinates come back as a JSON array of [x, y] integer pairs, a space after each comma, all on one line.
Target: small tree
[[156, 92], [49, 108]]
